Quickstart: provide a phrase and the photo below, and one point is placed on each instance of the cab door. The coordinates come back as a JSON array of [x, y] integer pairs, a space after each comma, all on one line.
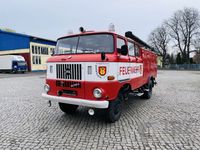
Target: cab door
[[136, 65], [123, 61]]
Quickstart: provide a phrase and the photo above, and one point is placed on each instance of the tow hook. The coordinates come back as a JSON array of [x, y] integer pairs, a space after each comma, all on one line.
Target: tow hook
[[91, 112], [49, 103]]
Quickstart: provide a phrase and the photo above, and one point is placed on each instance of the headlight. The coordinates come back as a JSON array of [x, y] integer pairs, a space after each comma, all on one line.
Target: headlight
[[46, 88], [97, 93]]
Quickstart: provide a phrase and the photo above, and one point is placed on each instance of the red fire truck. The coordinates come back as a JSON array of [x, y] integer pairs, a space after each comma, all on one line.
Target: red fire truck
[[98, 70]]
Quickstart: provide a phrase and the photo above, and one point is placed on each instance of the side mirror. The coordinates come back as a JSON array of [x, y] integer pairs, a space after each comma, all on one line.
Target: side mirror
[[103, 56], [124, 50]]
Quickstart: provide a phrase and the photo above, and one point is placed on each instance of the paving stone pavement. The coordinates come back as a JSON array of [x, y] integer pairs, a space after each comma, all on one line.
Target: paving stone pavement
[[169, 120]]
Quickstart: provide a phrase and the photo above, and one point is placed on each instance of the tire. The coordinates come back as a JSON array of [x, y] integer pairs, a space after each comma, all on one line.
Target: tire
[[68, 108], [14, 71], [148, 94], [115, 109]]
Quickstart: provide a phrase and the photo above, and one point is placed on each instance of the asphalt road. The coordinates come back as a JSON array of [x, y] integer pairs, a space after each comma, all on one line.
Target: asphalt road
[[169, 120]]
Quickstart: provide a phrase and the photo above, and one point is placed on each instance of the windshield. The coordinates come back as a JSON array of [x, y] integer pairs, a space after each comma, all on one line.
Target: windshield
[[95, 43], [21, 63]]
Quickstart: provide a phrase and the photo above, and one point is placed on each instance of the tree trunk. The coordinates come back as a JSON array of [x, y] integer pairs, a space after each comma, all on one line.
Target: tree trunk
[[163, 61], [184, 57]]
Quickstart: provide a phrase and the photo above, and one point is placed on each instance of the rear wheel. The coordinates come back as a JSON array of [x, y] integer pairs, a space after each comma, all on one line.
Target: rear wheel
[[68, 108], [148, 93], [115, 109]]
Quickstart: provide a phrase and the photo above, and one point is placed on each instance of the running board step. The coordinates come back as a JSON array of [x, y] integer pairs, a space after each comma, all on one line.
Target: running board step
[[139, 94]]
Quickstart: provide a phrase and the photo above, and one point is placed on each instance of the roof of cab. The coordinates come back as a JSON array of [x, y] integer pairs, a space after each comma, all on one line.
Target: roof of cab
[[88, 33]]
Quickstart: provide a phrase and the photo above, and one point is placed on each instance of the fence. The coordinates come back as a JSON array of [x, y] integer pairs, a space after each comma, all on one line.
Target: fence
[[184, 67]]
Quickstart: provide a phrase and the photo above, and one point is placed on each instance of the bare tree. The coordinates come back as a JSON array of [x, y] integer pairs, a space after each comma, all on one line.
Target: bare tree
[[196, 44], [159, 40], [183, 26]]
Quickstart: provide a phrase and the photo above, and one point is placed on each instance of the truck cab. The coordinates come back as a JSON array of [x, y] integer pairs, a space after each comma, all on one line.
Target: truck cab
[[98, 70], [19, 66]]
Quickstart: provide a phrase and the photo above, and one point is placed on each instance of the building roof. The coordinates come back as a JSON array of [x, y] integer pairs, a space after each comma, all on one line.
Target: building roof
[[14, 41], [25, 35]]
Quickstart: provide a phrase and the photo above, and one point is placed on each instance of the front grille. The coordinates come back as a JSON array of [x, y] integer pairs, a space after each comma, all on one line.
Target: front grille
[[68, 71]]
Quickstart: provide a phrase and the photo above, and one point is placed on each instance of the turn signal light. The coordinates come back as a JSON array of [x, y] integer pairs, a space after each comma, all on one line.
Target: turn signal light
[[111, 77]]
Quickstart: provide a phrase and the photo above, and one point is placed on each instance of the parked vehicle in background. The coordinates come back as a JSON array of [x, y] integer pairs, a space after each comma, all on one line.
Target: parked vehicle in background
[[13, 63], [99, 70]]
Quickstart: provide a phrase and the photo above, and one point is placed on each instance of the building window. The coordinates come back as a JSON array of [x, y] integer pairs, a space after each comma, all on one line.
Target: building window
[[36, 49], [42, 50], [52, 51], [47, 51], [33, 59], [33, 50], [36, 60], [39, 50], [39, 59]]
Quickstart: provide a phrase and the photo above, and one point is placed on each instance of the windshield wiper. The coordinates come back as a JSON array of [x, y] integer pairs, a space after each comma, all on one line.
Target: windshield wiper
[[89, 51]]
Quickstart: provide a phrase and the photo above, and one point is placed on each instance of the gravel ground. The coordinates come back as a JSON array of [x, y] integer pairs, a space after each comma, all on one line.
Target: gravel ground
[[169, 120]]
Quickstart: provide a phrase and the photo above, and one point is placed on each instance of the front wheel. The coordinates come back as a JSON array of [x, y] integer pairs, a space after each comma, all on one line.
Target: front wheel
[[15, 71], [115, 109], [68, 108]]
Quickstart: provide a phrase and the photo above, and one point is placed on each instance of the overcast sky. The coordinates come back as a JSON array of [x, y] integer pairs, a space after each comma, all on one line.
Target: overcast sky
[[54, 18]]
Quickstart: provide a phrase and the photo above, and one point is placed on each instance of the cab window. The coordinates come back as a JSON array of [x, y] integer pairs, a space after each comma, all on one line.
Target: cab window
[[131, 49], [137, 50], [120, 43]]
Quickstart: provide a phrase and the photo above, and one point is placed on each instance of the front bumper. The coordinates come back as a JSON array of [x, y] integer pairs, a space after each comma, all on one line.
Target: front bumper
[[77, 101]]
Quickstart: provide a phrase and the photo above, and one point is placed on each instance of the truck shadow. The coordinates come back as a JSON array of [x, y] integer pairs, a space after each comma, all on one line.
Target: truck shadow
[[132, 104]]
